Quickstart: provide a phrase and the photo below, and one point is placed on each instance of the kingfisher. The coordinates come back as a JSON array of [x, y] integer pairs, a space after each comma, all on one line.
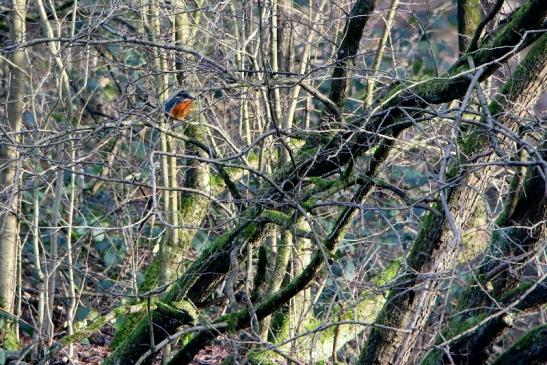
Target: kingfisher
[[178, 105]]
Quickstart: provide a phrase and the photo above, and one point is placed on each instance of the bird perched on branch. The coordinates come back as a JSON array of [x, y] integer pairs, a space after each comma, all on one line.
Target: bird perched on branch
[[178, 105]]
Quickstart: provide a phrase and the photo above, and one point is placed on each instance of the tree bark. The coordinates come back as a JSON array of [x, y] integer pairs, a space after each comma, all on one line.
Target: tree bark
[[508, 243], [10, 161], [411, 301]]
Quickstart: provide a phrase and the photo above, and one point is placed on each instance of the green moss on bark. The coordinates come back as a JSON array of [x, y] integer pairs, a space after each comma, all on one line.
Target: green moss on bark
[[530, 349], [276, 217]]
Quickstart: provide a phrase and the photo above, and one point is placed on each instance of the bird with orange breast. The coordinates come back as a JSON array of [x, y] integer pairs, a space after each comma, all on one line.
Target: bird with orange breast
[[178, 105]]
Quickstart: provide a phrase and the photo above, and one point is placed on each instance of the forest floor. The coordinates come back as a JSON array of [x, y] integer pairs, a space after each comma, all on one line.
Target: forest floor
[[98, 349]]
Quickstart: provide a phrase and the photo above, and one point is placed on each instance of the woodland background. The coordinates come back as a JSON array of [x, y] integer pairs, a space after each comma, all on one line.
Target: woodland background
[[358, 182]]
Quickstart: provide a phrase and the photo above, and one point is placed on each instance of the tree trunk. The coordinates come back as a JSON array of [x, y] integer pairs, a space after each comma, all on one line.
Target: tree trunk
[[411, 301], [10, 162], [471, 332], [345, 58]]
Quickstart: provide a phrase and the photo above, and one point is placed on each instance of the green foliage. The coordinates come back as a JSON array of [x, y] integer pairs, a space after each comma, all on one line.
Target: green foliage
[[82, 313], [309, 203], [417, 66]]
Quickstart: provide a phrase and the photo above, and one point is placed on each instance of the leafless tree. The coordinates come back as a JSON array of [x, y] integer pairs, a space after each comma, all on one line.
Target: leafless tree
[[358, 181]]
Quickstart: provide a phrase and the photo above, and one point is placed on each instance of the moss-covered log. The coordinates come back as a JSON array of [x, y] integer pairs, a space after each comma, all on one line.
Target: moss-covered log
[[196, 285]]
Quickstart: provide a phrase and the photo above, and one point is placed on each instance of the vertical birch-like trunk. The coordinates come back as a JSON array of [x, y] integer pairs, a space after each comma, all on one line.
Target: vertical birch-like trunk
[[169, 196], [280, 56], [65, 96], [41, 320], [9, 160], [73, 300], [192, 206]]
